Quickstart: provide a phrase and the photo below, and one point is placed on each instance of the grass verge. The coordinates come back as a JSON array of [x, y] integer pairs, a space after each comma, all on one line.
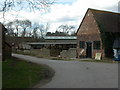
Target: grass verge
[[106, 60], [18, 73]]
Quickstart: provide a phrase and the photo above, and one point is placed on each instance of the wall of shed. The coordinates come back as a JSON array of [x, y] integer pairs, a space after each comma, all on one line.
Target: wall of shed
[[88, 32], [1, 42], [41, 52], [8, 50], [5, 48], [70, 53]]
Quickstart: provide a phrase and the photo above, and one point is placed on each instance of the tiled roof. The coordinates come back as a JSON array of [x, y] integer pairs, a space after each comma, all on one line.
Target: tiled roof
[[108, 21]]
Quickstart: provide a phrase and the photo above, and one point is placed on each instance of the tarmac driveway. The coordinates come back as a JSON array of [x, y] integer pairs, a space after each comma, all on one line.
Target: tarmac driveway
[[75, 74]]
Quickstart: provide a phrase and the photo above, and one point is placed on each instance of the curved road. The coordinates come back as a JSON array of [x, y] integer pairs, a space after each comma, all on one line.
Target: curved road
[[75, 74]]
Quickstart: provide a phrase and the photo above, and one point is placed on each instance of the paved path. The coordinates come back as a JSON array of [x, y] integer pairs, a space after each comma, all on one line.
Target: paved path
[[75, 74]]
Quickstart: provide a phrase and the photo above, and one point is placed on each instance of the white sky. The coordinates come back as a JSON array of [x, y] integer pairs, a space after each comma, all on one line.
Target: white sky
[[64, 12]]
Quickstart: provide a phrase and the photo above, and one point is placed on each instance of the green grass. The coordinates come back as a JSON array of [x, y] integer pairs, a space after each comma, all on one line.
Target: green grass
[[22, 74], [106, 60], [51, 58]]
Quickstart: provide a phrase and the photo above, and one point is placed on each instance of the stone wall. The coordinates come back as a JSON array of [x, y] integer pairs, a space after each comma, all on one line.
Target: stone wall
[[71, 53], [24, 46], [36, 52], [41, 52]]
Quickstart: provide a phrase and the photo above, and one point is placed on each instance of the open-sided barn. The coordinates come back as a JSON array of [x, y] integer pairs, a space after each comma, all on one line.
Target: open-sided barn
[[97, 33], [56, 44]]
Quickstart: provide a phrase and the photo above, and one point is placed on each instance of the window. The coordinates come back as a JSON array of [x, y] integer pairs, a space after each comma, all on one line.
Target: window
[[96, 45], [82, 44]]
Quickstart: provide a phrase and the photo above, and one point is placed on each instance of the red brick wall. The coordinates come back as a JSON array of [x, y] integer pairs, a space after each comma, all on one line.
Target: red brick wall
[[98, 51], [89, 32], [94, 51]]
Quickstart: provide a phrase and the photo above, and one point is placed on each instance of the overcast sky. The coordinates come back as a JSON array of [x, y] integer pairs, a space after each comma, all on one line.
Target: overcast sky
[[64, 12]]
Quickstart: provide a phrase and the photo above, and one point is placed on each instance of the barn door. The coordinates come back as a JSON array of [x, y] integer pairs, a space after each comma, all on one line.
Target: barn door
[[88, 49]]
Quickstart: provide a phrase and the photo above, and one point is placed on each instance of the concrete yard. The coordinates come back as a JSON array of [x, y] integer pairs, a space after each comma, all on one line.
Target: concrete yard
[[75, 74]]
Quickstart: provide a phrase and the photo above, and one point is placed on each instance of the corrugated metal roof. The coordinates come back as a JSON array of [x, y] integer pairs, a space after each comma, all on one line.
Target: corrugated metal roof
[[60, 37], [42, 43]]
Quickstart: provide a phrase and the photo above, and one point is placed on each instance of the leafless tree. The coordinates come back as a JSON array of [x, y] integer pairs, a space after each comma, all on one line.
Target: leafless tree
[[9, 5], [66, 28], [25, 24], [43, 29], [39, 30], [10, 30], [16, 24], [35, 27], [47, 27]]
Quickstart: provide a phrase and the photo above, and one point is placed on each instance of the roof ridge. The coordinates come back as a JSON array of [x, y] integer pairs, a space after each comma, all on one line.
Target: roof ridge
[[96, 10]]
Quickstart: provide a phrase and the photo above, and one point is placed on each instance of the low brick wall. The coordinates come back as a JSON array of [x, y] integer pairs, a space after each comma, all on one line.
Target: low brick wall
[[83, 55]]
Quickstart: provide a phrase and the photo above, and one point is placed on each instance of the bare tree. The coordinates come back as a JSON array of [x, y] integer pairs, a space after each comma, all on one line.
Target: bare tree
[[66, 28], [35, 27], [13, 27], [63, 28], [25, 24], [26, 28], [10, 29], [17, 24], [39, 30], [35, 35], [17, 5], [47, 27]]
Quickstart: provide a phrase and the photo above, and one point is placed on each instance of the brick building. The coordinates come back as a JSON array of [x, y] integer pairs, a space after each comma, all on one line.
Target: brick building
[[97, 33]]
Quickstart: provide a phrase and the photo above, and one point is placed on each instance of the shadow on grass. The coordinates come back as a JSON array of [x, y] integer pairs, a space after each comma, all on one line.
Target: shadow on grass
[[18, 73]]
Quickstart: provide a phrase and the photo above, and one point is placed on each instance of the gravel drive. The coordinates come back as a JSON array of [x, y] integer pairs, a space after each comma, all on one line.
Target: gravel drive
[[75, 74]]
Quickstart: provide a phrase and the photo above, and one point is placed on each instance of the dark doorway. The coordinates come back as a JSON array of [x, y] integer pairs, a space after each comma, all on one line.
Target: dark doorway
[[89, 50]]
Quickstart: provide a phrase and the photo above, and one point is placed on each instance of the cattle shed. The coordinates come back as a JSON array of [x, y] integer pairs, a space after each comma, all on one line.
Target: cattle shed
[[55, 44], [97, 33]]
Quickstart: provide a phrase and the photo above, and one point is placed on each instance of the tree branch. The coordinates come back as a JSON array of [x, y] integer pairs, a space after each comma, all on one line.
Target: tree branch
[[33, 5]]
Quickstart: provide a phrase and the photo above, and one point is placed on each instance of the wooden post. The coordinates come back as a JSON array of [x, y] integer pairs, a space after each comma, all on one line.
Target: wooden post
[[1, 53], [2, 42]]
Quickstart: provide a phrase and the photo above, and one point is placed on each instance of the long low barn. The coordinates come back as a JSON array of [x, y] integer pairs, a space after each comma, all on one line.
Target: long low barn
[[43, 43], [56, 44]]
